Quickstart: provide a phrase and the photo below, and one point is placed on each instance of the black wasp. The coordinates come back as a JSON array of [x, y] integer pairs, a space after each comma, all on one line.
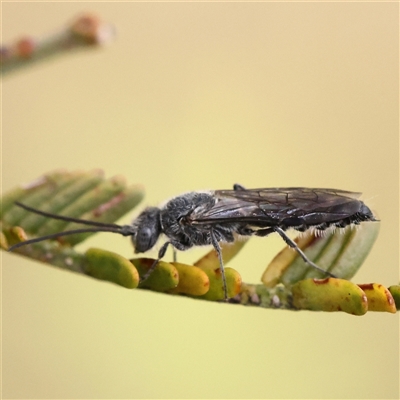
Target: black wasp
[[211, 217]]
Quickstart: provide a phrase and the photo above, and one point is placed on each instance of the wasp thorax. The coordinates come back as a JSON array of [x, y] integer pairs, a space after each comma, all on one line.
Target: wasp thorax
[[148, 229]]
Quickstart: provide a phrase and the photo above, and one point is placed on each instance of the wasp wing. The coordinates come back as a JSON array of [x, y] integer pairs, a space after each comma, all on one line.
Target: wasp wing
[[288, 207]]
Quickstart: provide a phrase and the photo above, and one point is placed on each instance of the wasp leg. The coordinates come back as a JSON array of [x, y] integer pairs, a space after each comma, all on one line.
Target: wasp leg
[[217, 248], [161, 254], [294, 246]]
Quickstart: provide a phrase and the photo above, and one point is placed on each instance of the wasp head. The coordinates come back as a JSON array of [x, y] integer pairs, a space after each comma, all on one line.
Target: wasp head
[[148, 229]]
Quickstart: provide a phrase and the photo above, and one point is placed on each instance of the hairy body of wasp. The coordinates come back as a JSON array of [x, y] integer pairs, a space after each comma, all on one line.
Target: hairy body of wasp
[[208, 218], [177, 220], [189, 219]]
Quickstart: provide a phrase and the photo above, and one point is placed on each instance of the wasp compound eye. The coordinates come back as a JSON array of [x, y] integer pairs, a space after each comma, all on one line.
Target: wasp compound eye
[[144, 240]]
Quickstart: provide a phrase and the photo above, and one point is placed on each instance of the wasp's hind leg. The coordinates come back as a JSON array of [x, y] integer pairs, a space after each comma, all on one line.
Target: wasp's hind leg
[[294, 246]]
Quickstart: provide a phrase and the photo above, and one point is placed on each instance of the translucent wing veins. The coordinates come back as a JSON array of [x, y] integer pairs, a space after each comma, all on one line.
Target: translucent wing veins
[[281, 207]]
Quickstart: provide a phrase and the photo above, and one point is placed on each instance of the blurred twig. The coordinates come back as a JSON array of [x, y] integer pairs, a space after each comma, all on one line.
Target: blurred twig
[[86, 31]]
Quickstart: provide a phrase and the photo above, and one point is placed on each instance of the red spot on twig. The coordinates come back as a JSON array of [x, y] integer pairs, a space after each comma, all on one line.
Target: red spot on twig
[[25, 47], [146, 262], [366, 286], [87, 28]]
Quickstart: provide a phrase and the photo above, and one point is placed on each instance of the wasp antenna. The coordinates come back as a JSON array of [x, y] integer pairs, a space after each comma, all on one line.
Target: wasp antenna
[[67, 219], [66, 233]]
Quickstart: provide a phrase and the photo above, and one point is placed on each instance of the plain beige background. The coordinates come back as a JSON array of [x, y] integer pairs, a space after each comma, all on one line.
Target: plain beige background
[[195, 96]]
